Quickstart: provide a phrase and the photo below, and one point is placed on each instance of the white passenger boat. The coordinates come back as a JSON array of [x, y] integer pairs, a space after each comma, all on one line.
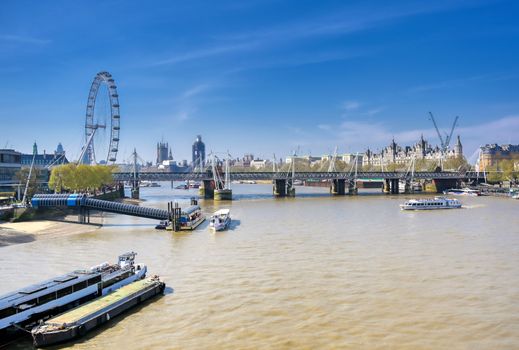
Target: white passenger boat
[[431, 204], [220, 220], [462, 192], [39, 301]]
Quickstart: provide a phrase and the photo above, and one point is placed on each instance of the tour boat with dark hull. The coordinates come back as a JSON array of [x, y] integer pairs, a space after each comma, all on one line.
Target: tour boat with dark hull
[[77, 322], [431, 204], [24, 307]]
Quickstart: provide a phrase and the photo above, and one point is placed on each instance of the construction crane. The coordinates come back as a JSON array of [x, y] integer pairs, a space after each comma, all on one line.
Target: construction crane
[[449, 138], [444, 143]]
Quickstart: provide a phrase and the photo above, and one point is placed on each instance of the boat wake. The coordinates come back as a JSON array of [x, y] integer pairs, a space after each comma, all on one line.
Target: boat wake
[[475, 206]]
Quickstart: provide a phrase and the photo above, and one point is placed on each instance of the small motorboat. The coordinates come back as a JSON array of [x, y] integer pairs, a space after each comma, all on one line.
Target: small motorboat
[[162, 225], [220, 220], [462, 192]]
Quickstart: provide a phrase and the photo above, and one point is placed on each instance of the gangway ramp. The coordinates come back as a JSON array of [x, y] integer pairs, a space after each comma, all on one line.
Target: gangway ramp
[[83, 202]]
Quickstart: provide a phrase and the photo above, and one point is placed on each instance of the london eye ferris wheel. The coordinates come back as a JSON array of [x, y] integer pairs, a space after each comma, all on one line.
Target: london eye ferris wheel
[[102, 122]]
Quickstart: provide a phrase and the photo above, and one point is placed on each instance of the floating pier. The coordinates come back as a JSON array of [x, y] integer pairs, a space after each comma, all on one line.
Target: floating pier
[[79, 321]]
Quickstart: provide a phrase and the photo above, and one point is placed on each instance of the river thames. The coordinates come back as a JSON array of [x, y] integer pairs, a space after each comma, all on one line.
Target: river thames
[[305, 273]]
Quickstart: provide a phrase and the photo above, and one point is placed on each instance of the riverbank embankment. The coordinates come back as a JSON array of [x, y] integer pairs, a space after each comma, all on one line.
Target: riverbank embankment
[[50, 223], [29, 231]]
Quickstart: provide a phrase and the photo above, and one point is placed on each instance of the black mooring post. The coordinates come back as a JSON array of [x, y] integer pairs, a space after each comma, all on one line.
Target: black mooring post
[[176, 222]]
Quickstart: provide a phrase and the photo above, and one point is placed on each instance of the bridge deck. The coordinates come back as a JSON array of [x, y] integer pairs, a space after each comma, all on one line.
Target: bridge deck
[[179, 176]]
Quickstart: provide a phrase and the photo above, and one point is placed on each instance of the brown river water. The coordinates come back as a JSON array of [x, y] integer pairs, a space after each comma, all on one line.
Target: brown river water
[[314, 272]]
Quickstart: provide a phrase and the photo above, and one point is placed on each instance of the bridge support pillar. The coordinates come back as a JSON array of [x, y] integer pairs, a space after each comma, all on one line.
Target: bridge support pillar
[[283, 188], [135, 191], [280, 188], [441, 185], [84, 215], [206, 191], [120, 188], [386, 186], [338, 187], [223, 195], [393, 186]]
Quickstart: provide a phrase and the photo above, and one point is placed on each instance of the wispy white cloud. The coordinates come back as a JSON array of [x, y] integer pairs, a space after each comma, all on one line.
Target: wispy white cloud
[[374, 111], [187, 102], [350, 105], [185, 113], [294, 60], [324, 127], [19, 39], [461, 82], [348, 20], [195, 90], [341, 22], [201, 53]]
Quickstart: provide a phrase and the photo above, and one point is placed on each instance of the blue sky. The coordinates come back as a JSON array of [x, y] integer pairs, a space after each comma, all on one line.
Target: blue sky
[[261, 76]]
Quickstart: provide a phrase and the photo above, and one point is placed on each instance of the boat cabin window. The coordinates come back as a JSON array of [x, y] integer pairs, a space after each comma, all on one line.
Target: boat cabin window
[[46, 298], [80, 285], [27, 304], [64, 291], [7, 312], [94, 280]]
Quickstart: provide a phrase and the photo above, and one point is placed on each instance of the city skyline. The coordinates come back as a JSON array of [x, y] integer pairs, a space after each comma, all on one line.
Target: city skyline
[[262, 77]]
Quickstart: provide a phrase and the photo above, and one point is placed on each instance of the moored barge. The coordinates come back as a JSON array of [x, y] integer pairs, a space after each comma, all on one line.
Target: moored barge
[[79, 321], [24, 307]]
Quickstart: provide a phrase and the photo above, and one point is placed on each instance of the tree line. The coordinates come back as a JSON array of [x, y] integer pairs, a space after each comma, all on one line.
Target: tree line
[[80, 178]]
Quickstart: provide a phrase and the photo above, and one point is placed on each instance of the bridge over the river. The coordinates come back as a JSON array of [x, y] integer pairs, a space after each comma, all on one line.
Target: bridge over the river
[[298, 175], [283, 182]]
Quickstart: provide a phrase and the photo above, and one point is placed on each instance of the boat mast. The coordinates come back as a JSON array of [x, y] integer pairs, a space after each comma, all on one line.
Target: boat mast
[[227, 173], [29, 177]]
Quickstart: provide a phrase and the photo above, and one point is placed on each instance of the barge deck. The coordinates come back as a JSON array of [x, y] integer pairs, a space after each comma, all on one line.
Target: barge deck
[[79, 321]]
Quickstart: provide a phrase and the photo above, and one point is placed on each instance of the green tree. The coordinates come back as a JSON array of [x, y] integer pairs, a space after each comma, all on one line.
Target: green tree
[[34, 186], [493, 174], [82, 177], [458, 163]]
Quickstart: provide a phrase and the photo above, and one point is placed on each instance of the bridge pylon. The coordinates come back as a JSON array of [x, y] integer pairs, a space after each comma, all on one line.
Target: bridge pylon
[[283, 188], [206, 189], [338, 187]]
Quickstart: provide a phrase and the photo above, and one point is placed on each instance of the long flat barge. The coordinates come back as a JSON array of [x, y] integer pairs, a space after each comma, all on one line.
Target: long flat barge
[[79, 321]]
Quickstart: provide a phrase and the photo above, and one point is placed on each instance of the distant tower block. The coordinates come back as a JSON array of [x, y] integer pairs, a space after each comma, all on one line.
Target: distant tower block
[[198, 158], [162, 152], [458, 148]]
